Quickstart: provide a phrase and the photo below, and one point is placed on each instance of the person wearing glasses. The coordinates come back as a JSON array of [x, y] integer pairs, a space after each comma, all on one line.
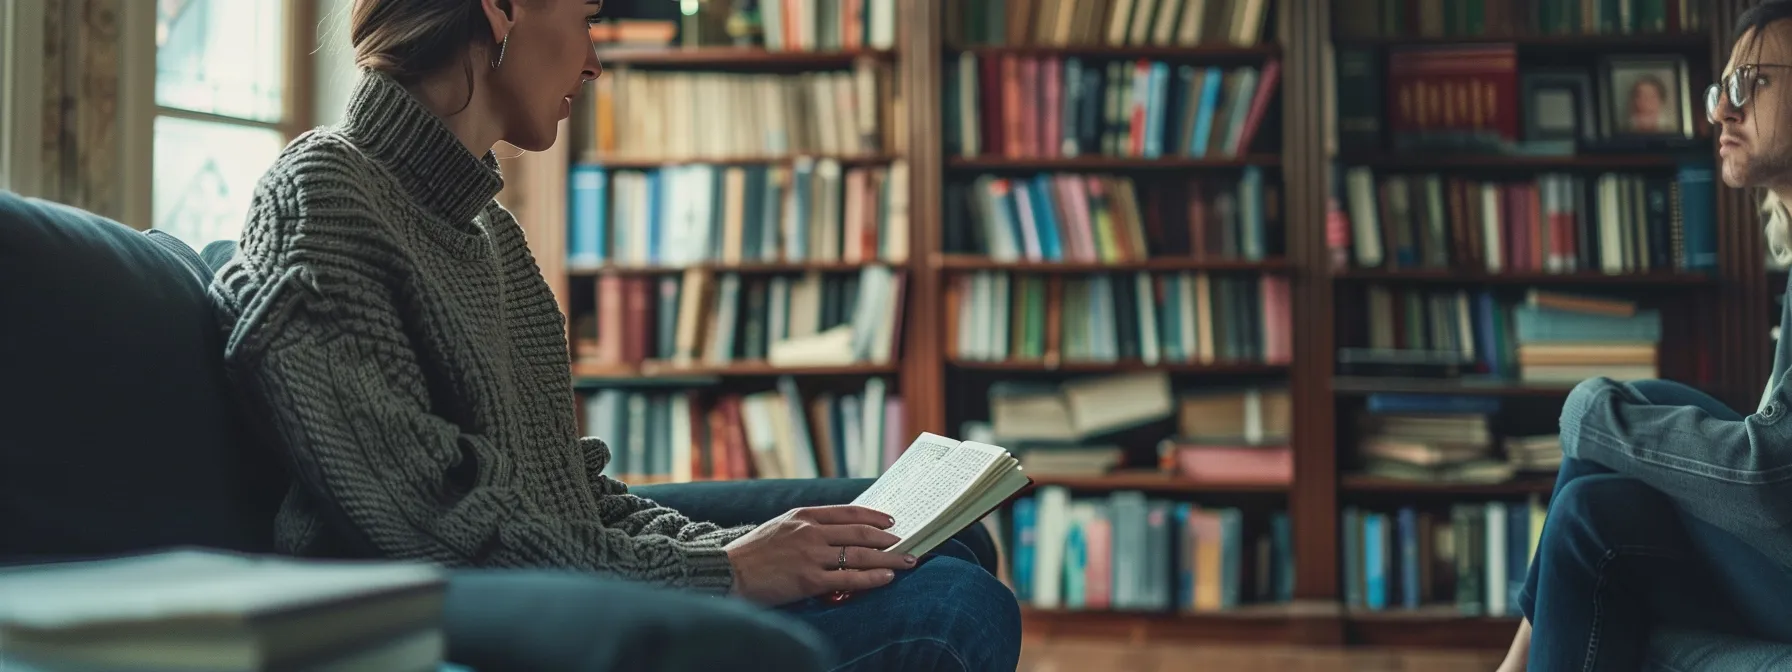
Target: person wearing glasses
[[1671, 508]]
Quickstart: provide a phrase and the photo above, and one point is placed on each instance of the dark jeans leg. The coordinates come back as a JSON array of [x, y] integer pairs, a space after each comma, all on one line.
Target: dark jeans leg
[[1617, 558], [947, 614], [730, 503], [552, 620]]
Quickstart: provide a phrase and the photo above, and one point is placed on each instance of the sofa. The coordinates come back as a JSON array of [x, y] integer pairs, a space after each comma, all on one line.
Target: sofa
[[119, 435]]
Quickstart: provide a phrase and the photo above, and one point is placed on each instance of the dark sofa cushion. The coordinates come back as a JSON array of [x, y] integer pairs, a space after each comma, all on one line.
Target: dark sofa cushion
[[118, 432]]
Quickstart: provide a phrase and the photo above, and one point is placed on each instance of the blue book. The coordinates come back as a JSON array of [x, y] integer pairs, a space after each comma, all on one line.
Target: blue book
[[1353, 557], [1282, 555], [1375, 561], [655, 212], [796, 241], [588, 215], [1542, 324], [1045, 218], [1432, 403], [1026, 513], [1697, 207], [1209, 102], [1518, 552], [1185, 566], [1156, 100], [1409, 558], [1486, 344]]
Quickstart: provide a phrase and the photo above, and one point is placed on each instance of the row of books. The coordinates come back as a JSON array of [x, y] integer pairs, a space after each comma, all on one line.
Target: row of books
[[678, 437], [1481, 18], [1128, 552], [1185, 23], [811, 210], [675, 115], [1150, 317], [1079, 217], [1024, 106], [1557, 223], [1474, 556], [1546, 337], [812, 319], [824, 25]]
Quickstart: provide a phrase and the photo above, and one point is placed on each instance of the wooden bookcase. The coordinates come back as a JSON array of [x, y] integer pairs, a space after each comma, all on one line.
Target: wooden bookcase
[[1727, 318]]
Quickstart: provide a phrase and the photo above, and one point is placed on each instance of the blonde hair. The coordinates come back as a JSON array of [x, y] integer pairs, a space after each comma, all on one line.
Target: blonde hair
[[1778, 228]]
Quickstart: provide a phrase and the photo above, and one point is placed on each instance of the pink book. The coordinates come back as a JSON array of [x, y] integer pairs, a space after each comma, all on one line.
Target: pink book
[[1266, 89], [894, 430], [1278, 326], [1098, 573], [1233, 464], [1051, 73], [1030, 92]]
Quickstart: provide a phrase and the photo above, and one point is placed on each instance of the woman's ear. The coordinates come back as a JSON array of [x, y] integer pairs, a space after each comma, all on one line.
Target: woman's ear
[[498, 14]]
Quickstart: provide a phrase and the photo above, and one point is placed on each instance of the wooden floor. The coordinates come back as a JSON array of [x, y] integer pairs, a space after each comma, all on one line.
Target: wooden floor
[[1060, 655]]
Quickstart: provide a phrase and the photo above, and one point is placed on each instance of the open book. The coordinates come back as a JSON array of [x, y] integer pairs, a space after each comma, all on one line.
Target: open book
[[940, 486]]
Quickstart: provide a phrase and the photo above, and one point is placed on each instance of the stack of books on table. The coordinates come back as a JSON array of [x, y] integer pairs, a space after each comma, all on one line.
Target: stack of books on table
[[192, 610]]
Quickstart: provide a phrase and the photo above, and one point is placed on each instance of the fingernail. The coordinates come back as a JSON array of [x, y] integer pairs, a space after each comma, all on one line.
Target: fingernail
[[889, 521], [908, 559], [888, 575]]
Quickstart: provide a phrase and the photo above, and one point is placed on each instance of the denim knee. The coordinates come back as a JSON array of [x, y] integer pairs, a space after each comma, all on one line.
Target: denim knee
[[1597, 512], [960, 618]]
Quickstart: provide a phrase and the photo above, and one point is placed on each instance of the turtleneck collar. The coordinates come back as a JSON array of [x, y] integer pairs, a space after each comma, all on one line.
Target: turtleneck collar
[[391, 125]]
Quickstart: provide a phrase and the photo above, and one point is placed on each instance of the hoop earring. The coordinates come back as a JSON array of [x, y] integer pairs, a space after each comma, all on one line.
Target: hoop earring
[[501, 46]]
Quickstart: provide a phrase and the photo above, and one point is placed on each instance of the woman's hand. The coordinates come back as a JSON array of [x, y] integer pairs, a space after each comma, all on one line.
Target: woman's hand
[[797, 555]]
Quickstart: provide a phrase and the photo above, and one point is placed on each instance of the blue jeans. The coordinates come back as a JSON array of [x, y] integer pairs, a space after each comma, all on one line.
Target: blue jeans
[[948, 613], [1618, 558]]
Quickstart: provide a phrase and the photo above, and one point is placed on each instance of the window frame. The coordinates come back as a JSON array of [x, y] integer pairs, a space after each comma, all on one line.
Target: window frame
[[142, 110]]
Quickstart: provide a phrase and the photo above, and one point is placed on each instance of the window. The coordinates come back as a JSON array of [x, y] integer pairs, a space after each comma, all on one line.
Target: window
[[227, 95]]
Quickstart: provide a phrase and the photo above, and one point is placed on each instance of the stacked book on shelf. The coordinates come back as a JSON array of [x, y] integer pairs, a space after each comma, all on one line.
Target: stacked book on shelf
[[1029, 415], [1232, 436], [1123, 551], [1548, 337], [645, 114], [1019, 106], [677, 437], [1430, 439], [696, 316], [824, 25], [1471, 556], [1165, 23], [1479, 18], [1186, 318], [810, 210], [1556, 223], [1087, 218]]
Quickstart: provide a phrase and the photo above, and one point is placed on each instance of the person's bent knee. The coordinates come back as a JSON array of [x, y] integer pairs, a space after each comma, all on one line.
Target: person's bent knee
[[967, 617]]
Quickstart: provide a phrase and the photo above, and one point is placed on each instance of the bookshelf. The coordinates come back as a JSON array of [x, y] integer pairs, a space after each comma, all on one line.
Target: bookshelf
[[1296, 151]]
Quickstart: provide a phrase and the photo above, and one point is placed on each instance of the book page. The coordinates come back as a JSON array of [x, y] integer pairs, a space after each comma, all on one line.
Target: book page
[[931, 475]]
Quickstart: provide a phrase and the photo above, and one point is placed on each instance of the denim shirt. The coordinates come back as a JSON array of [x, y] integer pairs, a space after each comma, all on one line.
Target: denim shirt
[[1735, 474]]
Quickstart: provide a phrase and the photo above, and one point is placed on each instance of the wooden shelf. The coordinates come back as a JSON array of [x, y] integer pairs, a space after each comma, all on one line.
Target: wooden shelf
[[1364, 385], [1472, 277], [1652, 41], [1524, 485], [969, 262], [1041, 366], [1210, 51], [1098, 163], [1459, 161], [1428, 627], [1153, 482], [1262, 623], [644, 163], [750, 268], [736, 58], [667, 372]]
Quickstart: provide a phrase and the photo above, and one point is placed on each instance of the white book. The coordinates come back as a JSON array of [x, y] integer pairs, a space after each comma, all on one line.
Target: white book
[[1496, 559], [941, 486], [205, 610]]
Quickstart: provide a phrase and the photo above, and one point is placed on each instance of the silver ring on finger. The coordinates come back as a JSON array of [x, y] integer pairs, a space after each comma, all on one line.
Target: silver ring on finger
[[842, 557]]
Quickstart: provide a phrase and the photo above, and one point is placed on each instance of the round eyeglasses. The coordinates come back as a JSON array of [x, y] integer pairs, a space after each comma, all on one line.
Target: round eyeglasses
[[1739, 86]]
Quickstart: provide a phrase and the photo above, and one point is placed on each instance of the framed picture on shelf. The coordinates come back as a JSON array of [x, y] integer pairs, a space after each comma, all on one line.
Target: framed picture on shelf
[[1645, 99], [1558, 106]]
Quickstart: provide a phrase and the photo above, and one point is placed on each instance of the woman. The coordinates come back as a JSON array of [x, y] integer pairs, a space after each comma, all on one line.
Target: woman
[[394, 337], [1670, 508]]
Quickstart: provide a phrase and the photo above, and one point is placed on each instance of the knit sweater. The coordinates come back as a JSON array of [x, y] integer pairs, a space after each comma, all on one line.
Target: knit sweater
[[396, 342]]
